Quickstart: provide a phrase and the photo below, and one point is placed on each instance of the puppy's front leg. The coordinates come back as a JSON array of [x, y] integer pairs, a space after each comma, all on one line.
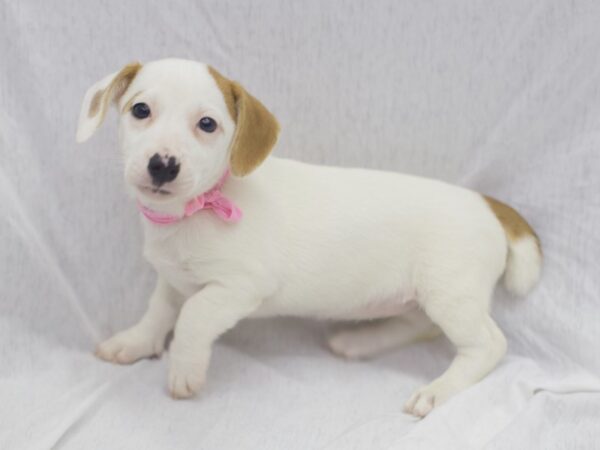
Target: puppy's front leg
[[203, 318], [147, 337]]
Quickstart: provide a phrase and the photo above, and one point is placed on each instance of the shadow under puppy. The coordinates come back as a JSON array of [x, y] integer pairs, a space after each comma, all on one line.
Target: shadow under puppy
[[233, 234]]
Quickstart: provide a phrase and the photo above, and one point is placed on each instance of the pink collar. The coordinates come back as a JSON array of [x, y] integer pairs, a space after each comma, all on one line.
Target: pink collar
[[213, 199]]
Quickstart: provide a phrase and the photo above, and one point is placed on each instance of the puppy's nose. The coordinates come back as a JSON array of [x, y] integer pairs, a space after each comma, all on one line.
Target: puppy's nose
[[160, 172]]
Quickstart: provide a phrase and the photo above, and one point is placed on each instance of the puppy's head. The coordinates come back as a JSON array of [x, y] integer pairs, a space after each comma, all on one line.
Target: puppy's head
[[181, 126]]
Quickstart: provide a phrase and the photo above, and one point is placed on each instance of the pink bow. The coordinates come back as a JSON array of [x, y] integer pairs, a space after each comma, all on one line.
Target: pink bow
[[213, 199]]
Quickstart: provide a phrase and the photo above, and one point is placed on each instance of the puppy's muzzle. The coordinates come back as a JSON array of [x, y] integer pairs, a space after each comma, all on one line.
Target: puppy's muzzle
[[162, 169]]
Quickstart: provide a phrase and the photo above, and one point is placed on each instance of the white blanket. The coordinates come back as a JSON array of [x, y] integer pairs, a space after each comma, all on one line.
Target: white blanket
[[502, 97]]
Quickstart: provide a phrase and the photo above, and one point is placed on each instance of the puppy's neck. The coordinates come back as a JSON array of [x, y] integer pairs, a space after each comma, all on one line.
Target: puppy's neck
[[171, 208], [213, 201]]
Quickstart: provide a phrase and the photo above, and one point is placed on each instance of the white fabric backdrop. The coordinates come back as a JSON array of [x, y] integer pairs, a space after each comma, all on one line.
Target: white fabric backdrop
[[503, 97]]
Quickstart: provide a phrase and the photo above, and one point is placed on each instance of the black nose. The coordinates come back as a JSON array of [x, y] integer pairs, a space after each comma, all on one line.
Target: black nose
[[160, 172]]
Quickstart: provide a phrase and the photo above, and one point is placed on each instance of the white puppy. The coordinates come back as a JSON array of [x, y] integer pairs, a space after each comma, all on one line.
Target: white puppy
[[295, 239]]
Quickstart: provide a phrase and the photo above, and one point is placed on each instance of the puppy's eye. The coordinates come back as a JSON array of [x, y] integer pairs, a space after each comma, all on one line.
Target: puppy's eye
[[207, 124], [140, 110]]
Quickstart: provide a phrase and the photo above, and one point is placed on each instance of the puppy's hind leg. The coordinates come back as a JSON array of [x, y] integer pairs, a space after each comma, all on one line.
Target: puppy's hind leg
[[479, 343], [370, 339]]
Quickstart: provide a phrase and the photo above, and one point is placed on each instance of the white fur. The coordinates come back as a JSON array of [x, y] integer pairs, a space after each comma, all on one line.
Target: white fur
[[524, 265], [314, 241]]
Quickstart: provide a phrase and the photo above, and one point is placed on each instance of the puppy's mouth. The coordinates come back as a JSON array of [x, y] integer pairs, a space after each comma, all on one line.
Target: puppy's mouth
[[154, 190]]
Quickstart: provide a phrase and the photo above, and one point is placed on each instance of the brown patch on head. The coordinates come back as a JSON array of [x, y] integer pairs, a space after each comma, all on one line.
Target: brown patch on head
[[99, 96], [114, 91], [256, 128], [225, 87], [515, 226], [127, 106], [123, 79]]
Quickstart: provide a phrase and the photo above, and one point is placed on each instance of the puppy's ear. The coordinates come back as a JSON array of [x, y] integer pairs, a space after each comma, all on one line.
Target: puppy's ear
[[256, 128], [98, 98]]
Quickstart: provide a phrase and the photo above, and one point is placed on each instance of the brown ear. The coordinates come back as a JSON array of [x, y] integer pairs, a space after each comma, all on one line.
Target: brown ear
[[100, 96], [256, 128]]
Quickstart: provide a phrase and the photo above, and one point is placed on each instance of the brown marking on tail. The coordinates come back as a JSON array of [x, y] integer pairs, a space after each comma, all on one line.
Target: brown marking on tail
[[515, 226]]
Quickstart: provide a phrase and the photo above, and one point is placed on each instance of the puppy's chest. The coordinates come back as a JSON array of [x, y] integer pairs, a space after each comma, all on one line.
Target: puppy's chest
[[181, 265]]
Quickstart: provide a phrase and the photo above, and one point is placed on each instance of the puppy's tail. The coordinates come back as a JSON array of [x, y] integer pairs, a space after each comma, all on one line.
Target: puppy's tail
[[524, 263]]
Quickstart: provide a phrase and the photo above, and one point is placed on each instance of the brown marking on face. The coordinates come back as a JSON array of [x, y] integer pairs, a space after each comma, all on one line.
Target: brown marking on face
[[225, 86], [95, 103], [127, 106], [116, 88], [256, 128], [123, 79], [515, 226]]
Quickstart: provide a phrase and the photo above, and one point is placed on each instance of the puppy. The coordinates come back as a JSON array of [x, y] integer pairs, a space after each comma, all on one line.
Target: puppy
[[232, 235]]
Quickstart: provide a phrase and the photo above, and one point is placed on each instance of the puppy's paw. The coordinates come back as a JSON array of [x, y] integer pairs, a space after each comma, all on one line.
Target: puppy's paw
[[426, 398], [350, 344], [186, 378], [129, 346]]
